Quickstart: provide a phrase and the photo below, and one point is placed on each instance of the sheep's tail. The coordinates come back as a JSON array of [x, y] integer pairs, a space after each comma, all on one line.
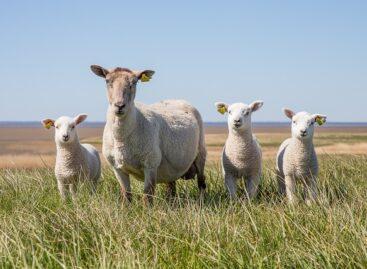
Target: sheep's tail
[[198, 167]]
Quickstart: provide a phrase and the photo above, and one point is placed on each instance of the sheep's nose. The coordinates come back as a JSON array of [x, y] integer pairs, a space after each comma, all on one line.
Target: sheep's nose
[[65, 137], [120, 105], [237, 121], [303, 132]]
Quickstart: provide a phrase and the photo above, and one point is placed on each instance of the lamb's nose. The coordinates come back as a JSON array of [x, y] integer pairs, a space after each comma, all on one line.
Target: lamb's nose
[[303, 132], [65, 137], [237, 121]]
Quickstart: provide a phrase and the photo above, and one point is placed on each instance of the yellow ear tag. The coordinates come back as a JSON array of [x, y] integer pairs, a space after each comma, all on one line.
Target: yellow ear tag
[[144, 78], [320, 121], [48, 125], [222, 109]]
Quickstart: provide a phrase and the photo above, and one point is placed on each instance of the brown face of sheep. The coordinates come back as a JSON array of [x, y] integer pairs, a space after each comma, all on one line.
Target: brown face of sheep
[[121, 86]]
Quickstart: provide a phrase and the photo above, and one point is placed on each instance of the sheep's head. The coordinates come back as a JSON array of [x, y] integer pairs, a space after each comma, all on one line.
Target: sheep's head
[[239, 114], [303, 123], [65, 131], [121, 86]]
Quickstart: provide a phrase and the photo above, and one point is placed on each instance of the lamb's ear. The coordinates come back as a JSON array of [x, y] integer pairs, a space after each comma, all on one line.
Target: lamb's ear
[[256, 105], [144, 76], [80, 118], [289, 113], [99, 71], [320, 119], [221, 107], [47, 123]]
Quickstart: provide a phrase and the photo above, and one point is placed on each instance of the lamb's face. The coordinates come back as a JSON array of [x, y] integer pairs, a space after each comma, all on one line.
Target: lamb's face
[[303, 126], [121, 87], [65, 131], [239, 114], [303, 123], [65, 128]]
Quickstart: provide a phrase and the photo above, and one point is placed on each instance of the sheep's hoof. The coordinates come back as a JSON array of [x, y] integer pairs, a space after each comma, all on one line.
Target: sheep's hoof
[[126, 197], [148, 200]]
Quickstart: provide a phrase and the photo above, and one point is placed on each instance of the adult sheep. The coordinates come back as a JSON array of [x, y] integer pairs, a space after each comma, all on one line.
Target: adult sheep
[[156, 143]]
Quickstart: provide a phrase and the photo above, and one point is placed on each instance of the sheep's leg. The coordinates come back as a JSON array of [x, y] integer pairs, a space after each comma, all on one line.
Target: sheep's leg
[[231, 185], [281, 184], [73, 190], [124, 181], [150, 176], [171, 189], [310, 190], [93, 186], [63, 190], [252, 185], [290, 188]]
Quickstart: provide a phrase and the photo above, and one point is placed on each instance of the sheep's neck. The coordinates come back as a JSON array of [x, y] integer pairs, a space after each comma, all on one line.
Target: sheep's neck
[[124, 127], [68, 153], [305, 145], [241, 136]]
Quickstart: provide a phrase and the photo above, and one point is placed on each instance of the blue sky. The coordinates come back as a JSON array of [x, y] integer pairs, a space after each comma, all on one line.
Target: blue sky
[[307, 55]]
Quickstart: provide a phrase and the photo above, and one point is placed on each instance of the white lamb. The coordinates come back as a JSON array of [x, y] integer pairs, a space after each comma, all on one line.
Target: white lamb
[[296, 158], [156, 143], [241, 157], [74, 161]]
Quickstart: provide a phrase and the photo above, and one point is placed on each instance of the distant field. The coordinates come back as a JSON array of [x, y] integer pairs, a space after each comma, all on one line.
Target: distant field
[[30, 146]]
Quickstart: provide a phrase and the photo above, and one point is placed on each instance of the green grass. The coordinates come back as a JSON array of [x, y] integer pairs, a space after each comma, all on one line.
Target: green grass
[[38, 230]]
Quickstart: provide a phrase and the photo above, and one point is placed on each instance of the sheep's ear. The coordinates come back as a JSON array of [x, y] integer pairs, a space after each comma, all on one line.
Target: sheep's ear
[[221, 107], [320, 119], [47, 123], [256, 105], [99, 71], [80, 118], [144, 76], [289, 113]]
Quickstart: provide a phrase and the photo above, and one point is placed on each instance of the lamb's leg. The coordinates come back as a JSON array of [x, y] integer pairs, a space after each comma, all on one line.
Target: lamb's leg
[[231, 185], [290, 188], [252, 185], [310, 190], [150, 176], [124, 181], [63, 190], [171, 189]]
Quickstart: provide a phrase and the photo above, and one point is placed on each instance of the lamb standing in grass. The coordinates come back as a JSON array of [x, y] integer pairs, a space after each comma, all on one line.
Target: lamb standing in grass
[[241, 157], [297, 158], [74, 161], [157, 143]]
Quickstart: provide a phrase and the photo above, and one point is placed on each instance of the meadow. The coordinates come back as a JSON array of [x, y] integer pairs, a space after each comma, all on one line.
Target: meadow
[[37, 230]]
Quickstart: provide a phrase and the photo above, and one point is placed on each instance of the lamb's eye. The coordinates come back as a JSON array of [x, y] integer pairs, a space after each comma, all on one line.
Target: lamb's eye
[[246, 113], [57, 127], [229, 112], [294, 122], [72, 127]]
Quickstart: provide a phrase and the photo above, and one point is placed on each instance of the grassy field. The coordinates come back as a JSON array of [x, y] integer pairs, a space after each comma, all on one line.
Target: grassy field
[[38, 230]]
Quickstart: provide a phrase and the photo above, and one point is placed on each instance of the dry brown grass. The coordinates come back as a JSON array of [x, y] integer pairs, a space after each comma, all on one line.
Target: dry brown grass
[[34, 147]]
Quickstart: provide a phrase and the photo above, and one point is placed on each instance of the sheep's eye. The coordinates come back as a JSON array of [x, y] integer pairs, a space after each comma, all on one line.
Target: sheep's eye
[[72, 127], [229, 112], [246, 113], [57, 127], [294, 122]]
